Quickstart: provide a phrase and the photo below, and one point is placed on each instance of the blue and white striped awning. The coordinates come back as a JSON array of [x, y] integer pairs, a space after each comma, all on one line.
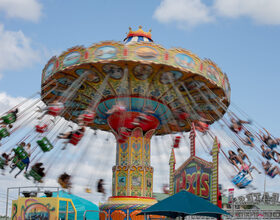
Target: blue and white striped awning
[[136, 39]]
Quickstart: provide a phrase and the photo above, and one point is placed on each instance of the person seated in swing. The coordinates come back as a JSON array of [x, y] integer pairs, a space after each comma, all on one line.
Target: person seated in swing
[[270, 154], [119, 107], [53, 109], [201, 126], [6, 157], [86, 117], [26, 162], [14, 113], [181, 115], [5, 162], [234, 159], [144, 117], [237, 125], [270, 170], [124, 132], [14, 151], [249, 139], [23, 145], [201, 123], [69, 135], [39, 169], [65, 181], [10, 117], [100, 187], [244, 156], [72, 136], [268, 140], [5, 130], [165, 188], [244, 167]]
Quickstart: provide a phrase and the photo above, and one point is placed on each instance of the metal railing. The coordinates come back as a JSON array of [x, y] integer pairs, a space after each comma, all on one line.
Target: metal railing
[[38, 190]]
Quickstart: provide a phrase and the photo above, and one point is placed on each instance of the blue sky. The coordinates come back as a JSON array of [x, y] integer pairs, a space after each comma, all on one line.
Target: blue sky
[[245, 48], [242, 37]]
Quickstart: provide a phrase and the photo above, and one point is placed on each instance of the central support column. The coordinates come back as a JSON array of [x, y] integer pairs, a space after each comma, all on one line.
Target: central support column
[[132, 174], [132, 182]]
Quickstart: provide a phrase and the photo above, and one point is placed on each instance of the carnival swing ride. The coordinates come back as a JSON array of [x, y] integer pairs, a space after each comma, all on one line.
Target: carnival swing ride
[[135, 90]]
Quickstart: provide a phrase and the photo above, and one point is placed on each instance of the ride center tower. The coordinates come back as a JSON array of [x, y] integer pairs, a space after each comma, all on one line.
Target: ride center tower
[[137, 89]]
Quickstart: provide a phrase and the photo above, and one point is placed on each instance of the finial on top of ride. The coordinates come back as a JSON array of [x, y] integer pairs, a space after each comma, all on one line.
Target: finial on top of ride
[[175, 84], [138, 36]]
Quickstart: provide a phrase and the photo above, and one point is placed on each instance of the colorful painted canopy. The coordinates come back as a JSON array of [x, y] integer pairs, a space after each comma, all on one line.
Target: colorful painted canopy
[[140, 74]]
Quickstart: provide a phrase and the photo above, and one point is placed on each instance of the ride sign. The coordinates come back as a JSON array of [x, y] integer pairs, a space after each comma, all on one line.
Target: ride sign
[[195, 177]]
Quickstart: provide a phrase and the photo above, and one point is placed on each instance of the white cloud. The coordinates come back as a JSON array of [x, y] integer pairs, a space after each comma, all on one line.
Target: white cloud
[[16, 50], [185, 13], [188, 13], [7, 102], [30, 10], [261, 11]]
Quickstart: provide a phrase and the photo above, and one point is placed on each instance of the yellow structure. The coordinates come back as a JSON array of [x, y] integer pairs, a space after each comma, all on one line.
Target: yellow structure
[[133, 174], [53, 208], [132, 184], [215, 172], [172, 163]]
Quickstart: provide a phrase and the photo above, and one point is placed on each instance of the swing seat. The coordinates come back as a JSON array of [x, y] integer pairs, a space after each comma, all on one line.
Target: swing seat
[[120, 109], [4, 133], [201, 126], [54, 110], [41, 129], [244, 183], [144, 121], [165, 189], [101, 189], [88, 190], [9, 118], [88, 117], [270, 174], [183, 116], [122, 139], [177, 142], [45, 144], [35, 175], [116, 110], [75, 139], [240, 180], [20, 152], [63, 184], [146, 118], [124, 133], [18, 163], [2, 162], [21, 165]]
